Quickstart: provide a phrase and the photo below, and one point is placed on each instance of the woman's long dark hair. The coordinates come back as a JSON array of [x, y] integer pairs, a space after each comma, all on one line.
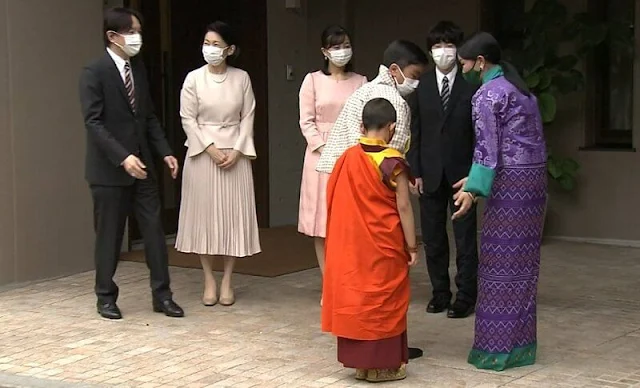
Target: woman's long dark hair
[[332, 36], [485, 45]]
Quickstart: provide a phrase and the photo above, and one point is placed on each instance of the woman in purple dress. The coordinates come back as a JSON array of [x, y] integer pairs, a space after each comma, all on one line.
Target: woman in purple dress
[[509, 170]]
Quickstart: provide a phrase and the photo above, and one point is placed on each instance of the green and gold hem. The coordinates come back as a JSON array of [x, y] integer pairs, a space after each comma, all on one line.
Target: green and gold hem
[[518, 357]]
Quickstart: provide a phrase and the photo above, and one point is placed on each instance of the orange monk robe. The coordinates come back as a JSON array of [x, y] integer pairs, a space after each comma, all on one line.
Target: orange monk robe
[[366, 280]]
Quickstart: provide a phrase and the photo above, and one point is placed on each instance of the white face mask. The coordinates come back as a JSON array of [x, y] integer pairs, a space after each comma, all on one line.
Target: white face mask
[[132, 44], [340, 57], [408, 86], [444, 57], [213, 55]]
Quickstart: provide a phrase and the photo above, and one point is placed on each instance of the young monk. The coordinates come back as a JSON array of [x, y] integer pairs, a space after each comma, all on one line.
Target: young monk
[[371, 243]]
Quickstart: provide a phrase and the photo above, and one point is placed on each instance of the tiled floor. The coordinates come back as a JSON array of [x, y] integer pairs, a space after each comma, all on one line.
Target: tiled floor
[[50, 335]]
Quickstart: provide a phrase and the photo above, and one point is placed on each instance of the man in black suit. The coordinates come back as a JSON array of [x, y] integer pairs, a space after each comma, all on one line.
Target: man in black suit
[[122, 132], [442, 141]]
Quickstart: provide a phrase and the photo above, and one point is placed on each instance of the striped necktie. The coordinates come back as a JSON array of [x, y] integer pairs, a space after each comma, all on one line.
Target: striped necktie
[[128, 85], [445, 93]]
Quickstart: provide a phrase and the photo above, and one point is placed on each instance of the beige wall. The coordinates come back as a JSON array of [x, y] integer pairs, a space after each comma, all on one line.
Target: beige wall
[[7, 236], [602, 208], [45, 212]]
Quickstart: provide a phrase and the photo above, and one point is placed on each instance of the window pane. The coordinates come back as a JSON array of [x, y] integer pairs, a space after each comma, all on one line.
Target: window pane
[[621, 69]]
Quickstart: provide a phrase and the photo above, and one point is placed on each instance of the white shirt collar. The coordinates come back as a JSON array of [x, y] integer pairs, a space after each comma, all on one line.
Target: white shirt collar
[[117, 60], [451, 76]]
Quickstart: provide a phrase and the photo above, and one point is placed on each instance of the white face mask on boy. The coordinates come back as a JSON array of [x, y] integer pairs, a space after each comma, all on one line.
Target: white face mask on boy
[[408, 86], [444, 57]]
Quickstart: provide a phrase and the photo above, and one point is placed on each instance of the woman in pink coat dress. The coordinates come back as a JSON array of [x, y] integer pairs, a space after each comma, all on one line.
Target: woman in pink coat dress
[[322, 96]]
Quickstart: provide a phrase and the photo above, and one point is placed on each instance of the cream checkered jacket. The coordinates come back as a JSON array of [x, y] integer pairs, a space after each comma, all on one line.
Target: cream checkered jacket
[[347, 129]]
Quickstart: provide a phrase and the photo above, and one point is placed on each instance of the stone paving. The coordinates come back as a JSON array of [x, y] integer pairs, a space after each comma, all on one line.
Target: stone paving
[[51, 336]]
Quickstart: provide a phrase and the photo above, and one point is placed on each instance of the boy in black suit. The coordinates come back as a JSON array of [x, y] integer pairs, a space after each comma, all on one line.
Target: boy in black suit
[[442, 141]]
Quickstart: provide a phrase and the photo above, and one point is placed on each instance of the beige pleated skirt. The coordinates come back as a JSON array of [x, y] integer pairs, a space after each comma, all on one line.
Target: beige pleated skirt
[[217, 209]]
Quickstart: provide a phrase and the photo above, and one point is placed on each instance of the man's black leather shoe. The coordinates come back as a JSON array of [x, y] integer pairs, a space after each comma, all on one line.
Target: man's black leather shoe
[[168, 307], [415, 353], [109, 310], [438, 305], [460, 309]]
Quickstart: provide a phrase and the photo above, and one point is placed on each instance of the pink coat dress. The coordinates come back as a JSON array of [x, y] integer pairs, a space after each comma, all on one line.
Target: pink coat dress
[[321, 100]]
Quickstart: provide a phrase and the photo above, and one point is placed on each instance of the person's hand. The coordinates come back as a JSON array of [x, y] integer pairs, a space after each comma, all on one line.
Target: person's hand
[[173, 165], [134, 167], [232, 159], [461, 198], [218, 156], [417, 187], [464, 202], [413, 258], [319, 150], [459, 185]]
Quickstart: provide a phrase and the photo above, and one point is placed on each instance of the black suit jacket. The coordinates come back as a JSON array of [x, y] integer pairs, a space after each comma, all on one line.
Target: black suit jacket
[[114, 131], [441, 142]]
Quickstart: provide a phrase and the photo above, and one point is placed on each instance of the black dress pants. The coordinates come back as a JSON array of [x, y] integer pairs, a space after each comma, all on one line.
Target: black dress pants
[[433, 214], [111, 207]]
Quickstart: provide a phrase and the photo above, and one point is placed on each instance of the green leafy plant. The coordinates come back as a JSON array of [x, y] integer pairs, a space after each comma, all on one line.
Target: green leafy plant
[[548, 29]]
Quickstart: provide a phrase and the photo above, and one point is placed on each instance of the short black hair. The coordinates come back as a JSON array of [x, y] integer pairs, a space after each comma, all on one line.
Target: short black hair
[[118, 19], [445, 32], [404, 53], [332, 36], [227, 34], [378, 113]]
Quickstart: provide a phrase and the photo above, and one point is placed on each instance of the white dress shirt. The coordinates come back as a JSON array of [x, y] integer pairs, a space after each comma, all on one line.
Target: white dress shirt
[[451, 76], [120, 63]]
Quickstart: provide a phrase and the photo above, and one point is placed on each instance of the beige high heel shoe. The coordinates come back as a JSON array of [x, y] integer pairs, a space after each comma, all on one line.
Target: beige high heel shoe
[[227, 300], [209, 302], [208, 299]]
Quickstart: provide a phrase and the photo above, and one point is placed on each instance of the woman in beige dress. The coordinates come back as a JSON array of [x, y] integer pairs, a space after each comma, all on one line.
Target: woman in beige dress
[[218, 211]]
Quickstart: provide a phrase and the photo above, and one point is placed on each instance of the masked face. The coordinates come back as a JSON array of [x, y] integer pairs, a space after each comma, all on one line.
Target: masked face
[[129, 41], [132, 43], [340, 57], [405, 85], [214, 55], [472, 70], [216, 50], [444, 57]]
